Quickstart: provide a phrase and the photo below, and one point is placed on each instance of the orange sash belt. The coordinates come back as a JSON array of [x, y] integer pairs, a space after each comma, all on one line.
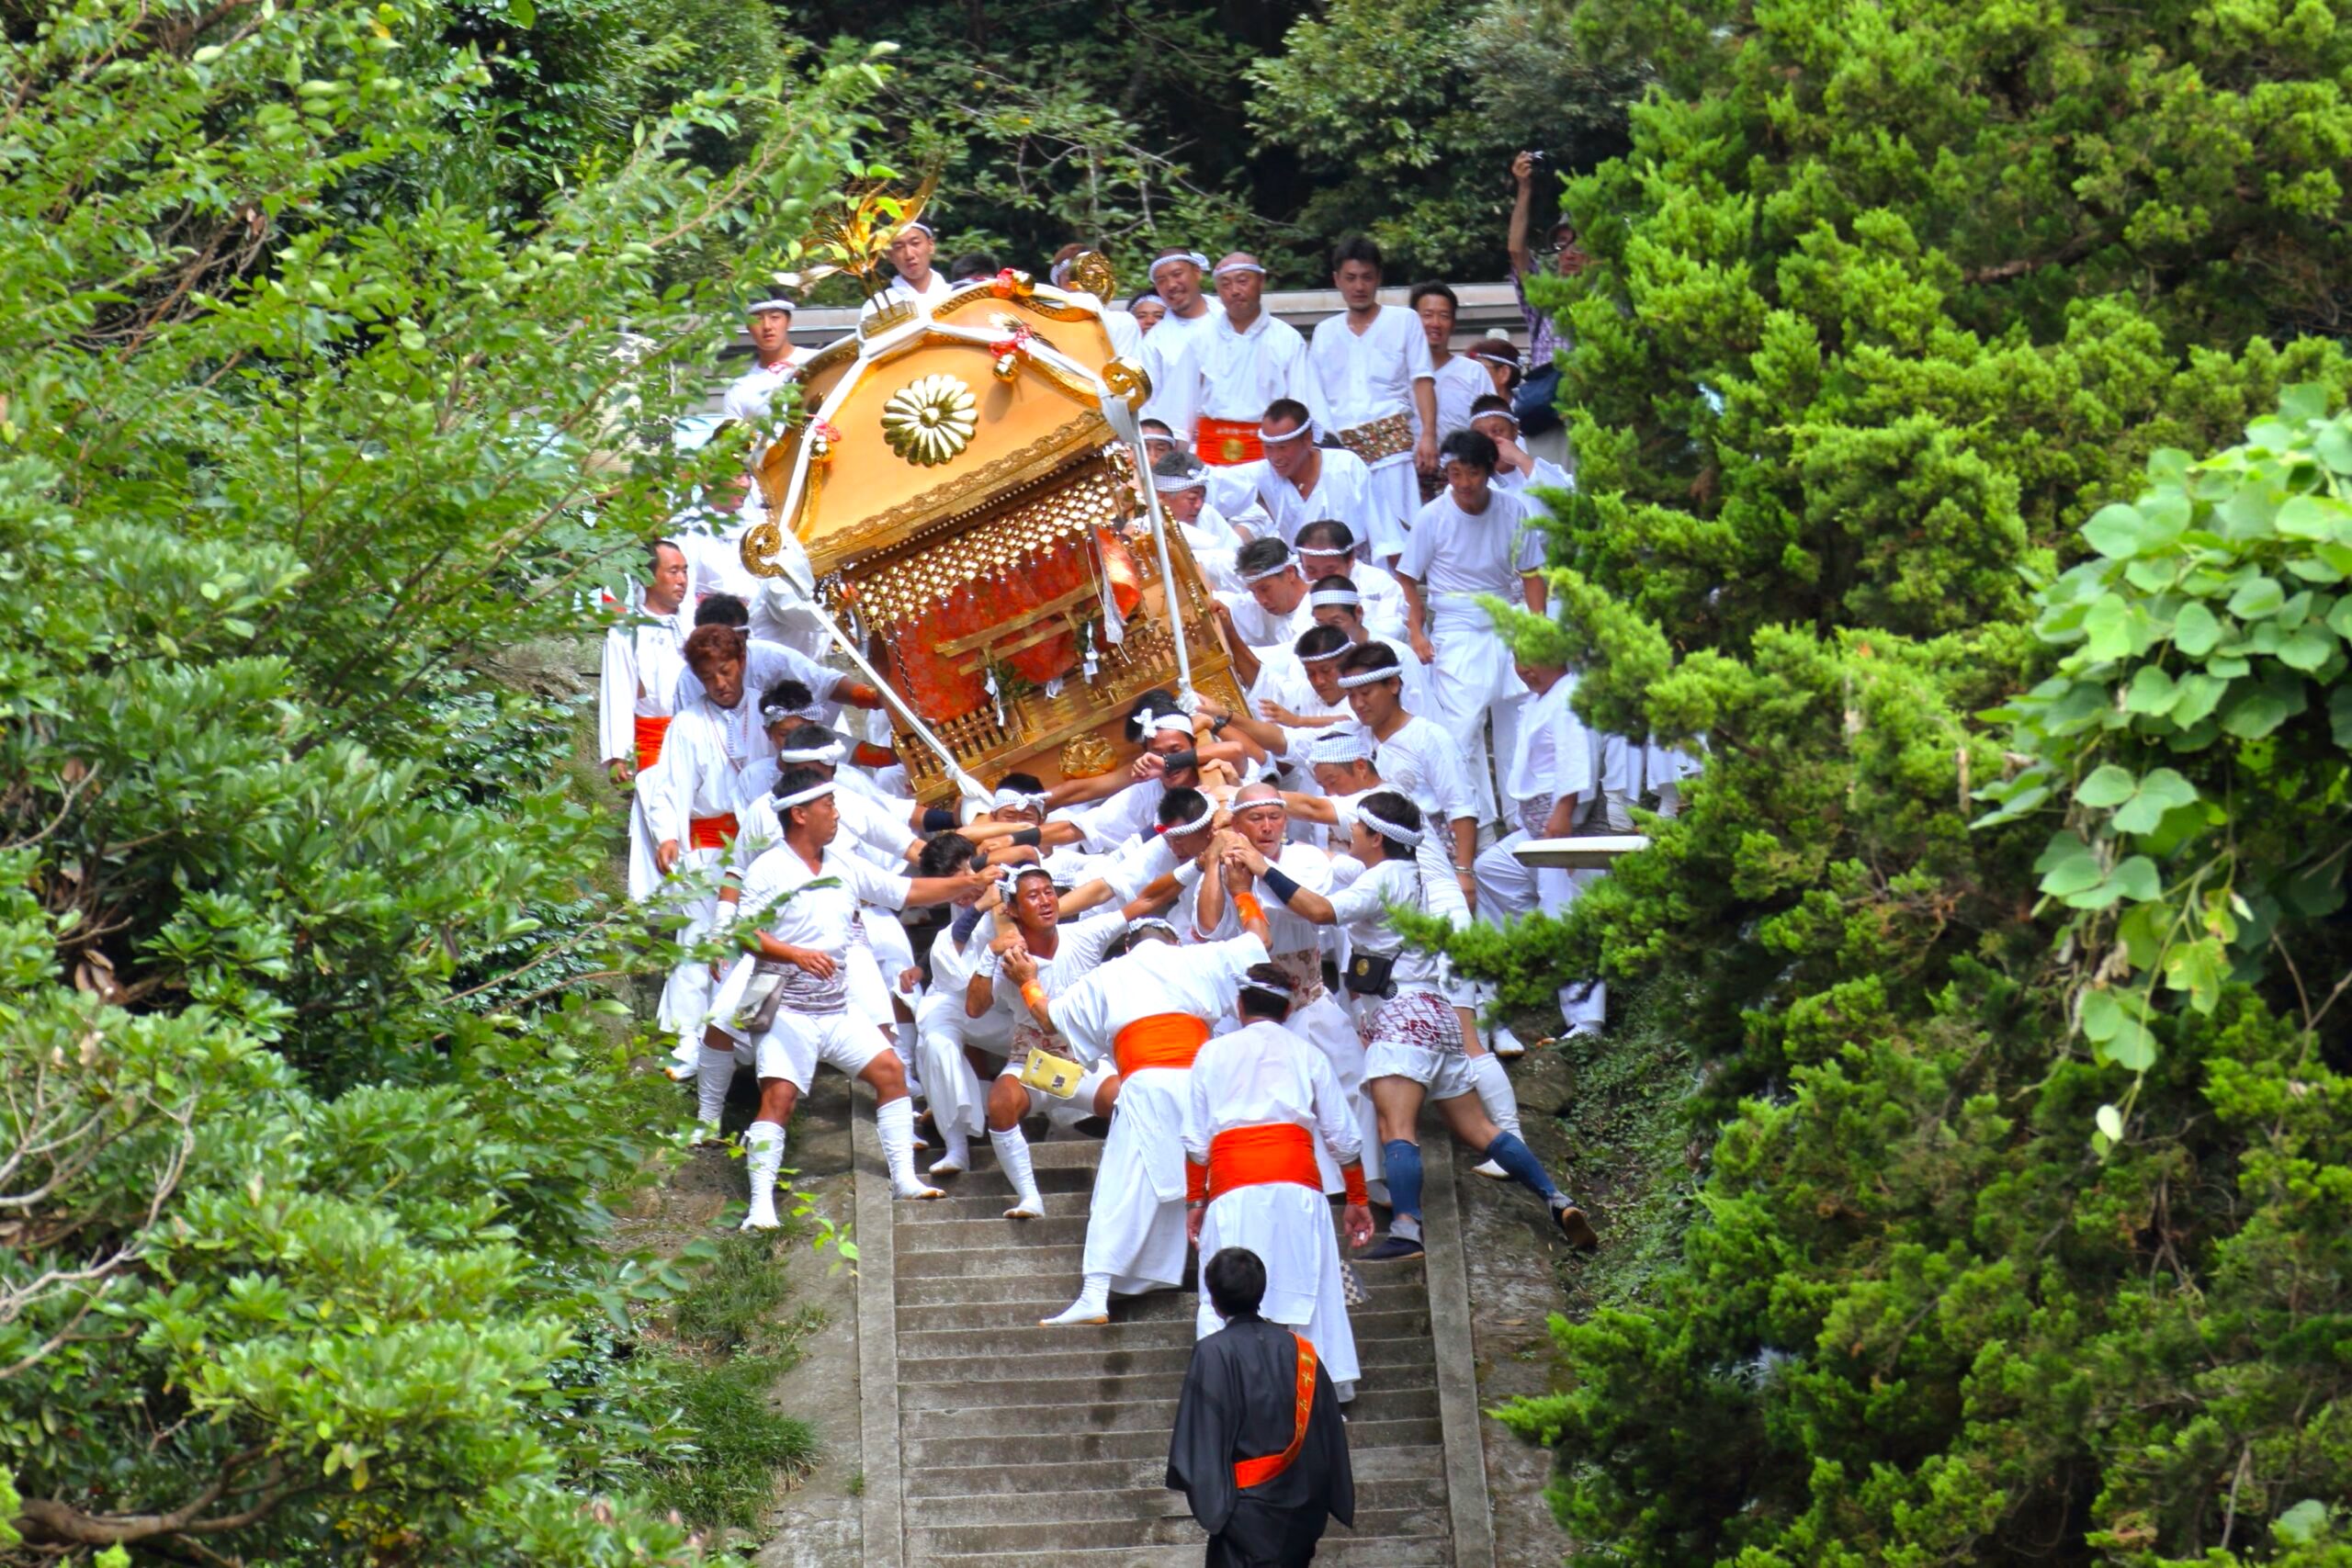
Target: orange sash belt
[[1249, 1473], [1272, 1151], [1228, 441], [1164, 1040], [712, 832], [650, 731]]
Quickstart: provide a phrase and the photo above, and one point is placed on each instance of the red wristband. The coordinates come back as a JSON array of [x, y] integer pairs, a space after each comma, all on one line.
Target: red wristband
[[1247, 907], [1353, 1176]]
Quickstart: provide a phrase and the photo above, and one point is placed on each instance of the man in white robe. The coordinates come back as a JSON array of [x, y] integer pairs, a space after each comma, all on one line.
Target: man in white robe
[[1261, 820], [1246, 359], [749, 398], [1172, 351], [1181, 481], [1374, 363], [1267, 1117], [1149, 1012], [917, 281], [1470, 541], [690, 798], [1457, 379], [1327, 548], [786, 1007], [1300, 483], [1552, 782], [637, 693], [1516, 469]]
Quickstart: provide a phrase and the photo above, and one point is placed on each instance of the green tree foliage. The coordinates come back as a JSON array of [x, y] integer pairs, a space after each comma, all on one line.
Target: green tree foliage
[[1892, 310], [1407, 117], [306, 1131]]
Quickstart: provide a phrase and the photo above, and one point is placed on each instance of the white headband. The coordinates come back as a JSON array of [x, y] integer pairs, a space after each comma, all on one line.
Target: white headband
[[829, 752], [1339, 652], [1495, 413], [1495, 359], [1270, 988], [754, 309], [1407, 837], [1195, 826], [1060, 273], [1277, 802], [1369, 677], [1326, 596], [1015, 800], [1152, 723], [1280, 566], [802, 797], [1238, 267], [1267, 435], [916, 223], [1195, 257], [1173, 484], [1153, 923], [1339, 746], [770, 712]]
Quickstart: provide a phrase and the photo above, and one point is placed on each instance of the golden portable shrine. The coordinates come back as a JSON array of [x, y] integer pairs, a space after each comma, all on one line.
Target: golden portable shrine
[[976, 524]]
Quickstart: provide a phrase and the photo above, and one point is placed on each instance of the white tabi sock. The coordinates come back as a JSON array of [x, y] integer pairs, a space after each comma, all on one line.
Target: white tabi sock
[[713, 1073], [958, 1158], [1013, 1158], [896, 1122], [1093, 1304], [764, 1152]]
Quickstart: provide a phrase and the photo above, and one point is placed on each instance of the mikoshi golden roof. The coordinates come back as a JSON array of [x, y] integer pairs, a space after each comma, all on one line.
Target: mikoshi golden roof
[[927, 413]]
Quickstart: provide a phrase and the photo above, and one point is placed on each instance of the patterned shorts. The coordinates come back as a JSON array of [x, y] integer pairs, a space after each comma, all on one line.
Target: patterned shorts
[[1422, 1020]]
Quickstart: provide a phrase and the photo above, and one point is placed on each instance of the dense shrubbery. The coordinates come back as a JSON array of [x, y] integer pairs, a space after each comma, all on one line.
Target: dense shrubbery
[[2023, 1231], [306, 1141]]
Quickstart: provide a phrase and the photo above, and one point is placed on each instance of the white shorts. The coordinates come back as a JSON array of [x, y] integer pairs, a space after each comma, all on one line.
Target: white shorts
[[796, 1042], [1445, 1074]]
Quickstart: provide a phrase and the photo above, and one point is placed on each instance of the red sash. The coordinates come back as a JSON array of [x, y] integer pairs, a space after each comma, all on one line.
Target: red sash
[[650, 731], [1249, 1473], [711, 832], [1164, 1040], [1228, 441], [1272, 1151]]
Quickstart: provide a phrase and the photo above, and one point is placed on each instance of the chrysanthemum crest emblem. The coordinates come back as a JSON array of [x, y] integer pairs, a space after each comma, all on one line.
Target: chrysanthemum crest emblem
[[930, 420]]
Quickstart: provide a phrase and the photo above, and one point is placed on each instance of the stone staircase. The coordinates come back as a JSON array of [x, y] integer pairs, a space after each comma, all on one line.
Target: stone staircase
[[987, 1451]]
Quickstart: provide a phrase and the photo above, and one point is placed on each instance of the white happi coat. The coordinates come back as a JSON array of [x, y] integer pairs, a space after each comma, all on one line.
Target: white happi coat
[[900, 291], [750, 397], [1382, 610], [781, 898], [699, 776], [640, 679], [1171, 358], [1461, 381], [1368, 375], [1455, 558], [1243, 371], [1343, 493], [1257, 1076], [958, 1100], [1315, 1015], [1134, 1229]]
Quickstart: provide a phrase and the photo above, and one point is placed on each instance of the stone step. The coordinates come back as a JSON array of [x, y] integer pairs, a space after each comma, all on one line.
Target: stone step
[[1076, 1360], [1083, 1384], [917, 1239], [926, 1452], [1015, 1259], [1150, 1406], [1338, 1550], [1386, 1283], [1024, 1500], [928, 1545], [1050, 1472], [973, 1336]]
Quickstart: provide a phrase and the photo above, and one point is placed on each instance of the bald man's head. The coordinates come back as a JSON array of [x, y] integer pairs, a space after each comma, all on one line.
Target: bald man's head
[[1240, 281]]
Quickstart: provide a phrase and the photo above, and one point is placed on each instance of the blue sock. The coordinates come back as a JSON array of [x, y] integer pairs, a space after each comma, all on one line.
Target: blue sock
[[1514, 1155], [1401, 1167]]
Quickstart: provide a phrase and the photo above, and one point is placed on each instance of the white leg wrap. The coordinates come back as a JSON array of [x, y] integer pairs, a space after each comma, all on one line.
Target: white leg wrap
[[713, 1073], [1495, 1093], [896, 1124], [958, 1156], [764, 1147], [1013, 1158]]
